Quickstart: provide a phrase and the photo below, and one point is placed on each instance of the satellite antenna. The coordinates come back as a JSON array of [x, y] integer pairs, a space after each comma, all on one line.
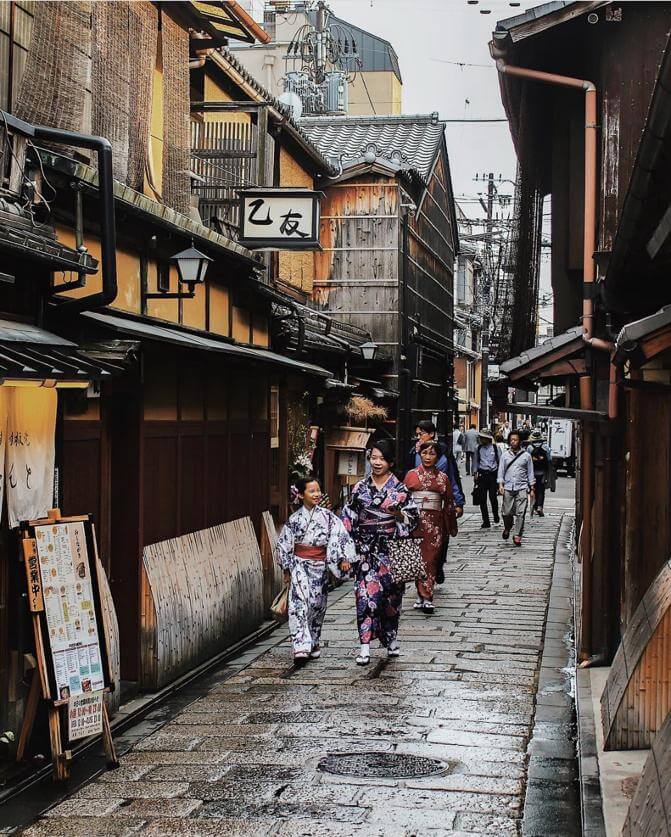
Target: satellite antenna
[[293, 102]]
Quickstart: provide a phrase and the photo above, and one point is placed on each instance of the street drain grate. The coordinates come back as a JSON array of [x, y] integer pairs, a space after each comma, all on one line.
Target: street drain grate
[[381, 765]]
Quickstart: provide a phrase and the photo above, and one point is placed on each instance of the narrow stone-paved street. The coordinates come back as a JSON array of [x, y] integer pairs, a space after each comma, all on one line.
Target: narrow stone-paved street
[[244, 756]]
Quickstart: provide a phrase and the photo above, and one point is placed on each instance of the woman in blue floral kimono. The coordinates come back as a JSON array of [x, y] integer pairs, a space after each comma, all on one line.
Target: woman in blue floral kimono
[[380, 508], [312, 542]]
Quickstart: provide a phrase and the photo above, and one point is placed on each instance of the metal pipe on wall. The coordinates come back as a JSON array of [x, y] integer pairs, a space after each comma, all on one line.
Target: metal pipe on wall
[[589, 247]]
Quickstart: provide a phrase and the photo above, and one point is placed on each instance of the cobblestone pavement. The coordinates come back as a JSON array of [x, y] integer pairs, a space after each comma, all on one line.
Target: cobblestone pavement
[[243, 757]]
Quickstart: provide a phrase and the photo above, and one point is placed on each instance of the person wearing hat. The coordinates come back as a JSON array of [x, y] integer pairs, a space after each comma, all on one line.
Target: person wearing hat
[[541, 456], [485, 469]]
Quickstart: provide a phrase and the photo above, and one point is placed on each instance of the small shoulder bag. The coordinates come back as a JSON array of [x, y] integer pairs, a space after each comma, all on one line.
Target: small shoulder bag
[[405, 560]]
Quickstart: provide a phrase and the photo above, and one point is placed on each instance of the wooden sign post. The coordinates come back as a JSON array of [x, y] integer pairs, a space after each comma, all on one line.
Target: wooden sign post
[[73, 660]]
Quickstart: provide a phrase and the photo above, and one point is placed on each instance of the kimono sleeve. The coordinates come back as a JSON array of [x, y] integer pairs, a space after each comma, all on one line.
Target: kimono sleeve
[[410, 514], [340, 545], [349, 513], [285, 548]]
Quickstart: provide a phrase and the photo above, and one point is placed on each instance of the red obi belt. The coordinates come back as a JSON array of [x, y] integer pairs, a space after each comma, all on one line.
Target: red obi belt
[[311, 553]]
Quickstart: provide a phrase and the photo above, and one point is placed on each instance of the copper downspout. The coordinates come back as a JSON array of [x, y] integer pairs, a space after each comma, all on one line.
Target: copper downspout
[[586, 387]]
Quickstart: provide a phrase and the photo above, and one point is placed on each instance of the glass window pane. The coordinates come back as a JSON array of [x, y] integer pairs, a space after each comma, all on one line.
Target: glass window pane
[[20, 56], [4, 71], [5, 15], [23, 27]]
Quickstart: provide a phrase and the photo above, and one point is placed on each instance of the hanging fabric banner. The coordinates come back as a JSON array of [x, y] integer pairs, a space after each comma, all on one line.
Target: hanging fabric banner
[[29, 451]]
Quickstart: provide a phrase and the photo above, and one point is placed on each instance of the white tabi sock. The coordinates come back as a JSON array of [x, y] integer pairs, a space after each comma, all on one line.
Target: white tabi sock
[[365, 650]]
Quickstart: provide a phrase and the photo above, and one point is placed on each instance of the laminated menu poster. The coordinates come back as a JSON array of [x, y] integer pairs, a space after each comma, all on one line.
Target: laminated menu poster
[[69, 608]]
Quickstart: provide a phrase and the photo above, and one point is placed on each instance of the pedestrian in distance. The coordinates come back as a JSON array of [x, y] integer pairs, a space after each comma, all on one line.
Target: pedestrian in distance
[[432, 494], [541, 456], [380, 508], [485, 471], [312, 542], [516, 480], [457, 443], [470, 445]]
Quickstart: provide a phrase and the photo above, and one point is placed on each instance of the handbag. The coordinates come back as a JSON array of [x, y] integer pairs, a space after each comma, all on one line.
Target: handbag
[[280, 606], [405, 560], [478, 493]]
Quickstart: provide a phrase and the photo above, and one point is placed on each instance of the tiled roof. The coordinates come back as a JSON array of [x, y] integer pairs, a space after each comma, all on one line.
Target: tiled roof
[[407, 142]]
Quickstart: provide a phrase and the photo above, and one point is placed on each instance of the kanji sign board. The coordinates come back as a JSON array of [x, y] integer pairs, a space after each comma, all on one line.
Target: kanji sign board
[[85, 715], [279, 219]]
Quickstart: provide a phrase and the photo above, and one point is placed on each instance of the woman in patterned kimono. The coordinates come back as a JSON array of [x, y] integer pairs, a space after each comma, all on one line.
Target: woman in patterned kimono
[[312, 542], [432, 492], [379, 509]]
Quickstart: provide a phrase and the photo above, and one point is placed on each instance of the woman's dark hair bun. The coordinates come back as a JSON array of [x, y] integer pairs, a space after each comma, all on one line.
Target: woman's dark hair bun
[[426, 445], [387, 449]]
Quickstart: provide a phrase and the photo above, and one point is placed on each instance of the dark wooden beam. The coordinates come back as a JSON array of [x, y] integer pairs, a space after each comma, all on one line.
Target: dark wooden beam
[[660, 236], [558, 412]]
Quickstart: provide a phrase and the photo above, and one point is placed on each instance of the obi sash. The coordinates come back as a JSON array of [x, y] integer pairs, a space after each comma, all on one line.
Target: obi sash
[[374, 522], [428, 500], [311, 553]]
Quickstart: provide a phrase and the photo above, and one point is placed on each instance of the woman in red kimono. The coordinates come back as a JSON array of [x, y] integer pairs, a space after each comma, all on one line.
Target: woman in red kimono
[[432, 493]]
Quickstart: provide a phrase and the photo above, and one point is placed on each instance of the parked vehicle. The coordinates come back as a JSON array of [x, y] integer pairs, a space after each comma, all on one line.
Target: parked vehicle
[[561, 440]]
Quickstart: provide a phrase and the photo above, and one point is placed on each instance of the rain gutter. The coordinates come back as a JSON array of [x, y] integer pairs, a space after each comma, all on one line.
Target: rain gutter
[[106, 186], [589, 247]]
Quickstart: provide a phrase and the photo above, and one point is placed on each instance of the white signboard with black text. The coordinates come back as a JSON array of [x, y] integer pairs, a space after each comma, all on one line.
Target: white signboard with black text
[[279, 219]]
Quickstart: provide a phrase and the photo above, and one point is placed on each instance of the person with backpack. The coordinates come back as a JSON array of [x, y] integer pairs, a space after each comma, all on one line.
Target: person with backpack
[[516, 480], [541, 456], [485, 470]]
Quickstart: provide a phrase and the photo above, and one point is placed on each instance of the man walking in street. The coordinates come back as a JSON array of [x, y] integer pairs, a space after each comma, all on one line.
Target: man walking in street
[[516, 479], [485, 470], [470, 444], [541, 456]]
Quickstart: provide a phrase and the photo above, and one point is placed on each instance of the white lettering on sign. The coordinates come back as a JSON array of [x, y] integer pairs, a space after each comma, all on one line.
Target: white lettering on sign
[[85, 715]]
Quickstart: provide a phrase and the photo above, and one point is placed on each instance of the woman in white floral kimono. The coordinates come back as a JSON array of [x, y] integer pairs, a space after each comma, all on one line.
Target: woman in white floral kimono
[[312, 542]]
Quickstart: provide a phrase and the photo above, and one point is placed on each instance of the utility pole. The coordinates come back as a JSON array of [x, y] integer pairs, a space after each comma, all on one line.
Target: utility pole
[[487, 276]]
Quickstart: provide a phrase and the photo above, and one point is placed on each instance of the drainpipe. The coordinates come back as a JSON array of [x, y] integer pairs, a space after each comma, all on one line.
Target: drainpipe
[[106, 190], [589, 246]]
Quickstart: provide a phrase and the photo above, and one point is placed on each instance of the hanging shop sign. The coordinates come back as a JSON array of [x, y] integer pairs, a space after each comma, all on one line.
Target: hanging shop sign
[[280, 219]]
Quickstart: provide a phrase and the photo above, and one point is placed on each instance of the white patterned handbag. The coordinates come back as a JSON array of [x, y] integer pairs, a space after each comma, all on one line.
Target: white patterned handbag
[[405, 560]]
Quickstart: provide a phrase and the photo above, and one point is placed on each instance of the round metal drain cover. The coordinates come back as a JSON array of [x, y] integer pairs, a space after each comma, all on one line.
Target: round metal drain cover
[[381, 765]]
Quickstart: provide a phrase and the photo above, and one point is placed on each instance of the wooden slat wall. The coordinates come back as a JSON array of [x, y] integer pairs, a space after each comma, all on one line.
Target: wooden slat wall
[[648, 808], [206, 591], [224, 154], [111, 628], [272, 574], [637, 696], [356, 273]]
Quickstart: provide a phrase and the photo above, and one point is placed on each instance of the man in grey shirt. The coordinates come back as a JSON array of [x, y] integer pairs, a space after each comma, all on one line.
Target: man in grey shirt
[[516, 479], [470, 446]]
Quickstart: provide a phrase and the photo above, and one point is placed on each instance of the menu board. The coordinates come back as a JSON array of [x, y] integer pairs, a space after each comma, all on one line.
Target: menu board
[[69, 608]]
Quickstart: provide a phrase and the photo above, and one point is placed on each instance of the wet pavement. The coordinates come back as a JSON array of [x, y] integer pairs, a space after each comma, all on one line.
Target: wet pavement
[[439, 741]]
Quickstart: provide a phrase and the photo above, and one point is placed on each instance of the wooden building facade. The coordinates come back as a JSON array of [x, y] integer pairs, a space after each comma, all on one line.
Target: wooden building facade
[[388, 240], [601, 150], [183, 427]]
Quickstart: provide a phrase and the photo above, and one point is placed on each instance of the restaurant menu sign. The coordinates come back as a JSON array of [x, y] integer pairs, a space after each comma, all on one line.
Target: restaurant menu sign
[[85, 715], [279, 219], [67, 591]]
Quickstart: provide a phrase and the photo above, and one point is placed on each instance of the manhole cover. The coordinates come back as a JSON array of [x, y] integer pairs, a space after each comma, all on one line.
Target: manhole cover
[[381, 765]]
